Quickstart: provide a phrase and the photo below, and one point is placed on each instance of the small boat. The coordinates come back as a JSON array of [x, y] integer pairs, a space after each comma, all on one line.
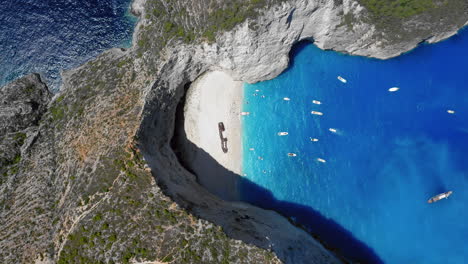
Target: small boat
[[314, 139], [393, 89], [321, 160], [292, 154], [439, 197], [282, 133], [451, 112], [257, 91], [343, 80], [333, 130], [251, 149], [316, 102], [260, 158], [245, 113], [263, 96], [286, 98], [316, 113]]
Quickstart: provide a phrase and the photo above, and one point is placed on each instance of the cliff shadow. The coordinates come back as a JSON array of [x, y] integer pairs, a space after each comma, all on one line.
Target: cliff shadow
[[230, 186]]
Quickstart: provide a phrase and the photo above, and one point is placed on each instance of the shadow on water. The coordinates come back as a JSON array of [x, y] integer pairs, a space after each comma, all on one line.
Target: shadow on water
[[329, 232], [230, 186]]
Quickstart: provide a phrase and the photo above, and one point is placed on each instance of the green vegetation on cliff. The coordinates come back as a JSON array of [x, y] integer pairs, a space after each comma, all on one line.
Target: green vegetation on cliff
[[398, 8]]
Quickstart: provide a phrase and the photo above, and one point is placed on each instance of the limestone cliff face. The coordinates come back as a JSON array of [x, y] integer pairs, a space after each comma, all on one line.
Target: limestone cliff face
[[254, 51], [93, 183]]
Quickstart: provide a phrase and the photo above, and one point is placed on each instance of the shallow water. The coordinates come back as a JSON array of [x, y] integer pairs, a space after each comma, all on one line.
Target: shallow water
[[50, 36], [391, 151]]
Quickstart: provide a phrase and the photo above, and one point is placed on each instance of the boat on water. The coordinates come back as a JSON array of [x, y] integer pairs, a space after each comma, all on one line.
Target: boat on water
[[450, 111], [314, 139], [316, 102], [251, 149], [333, 130], [282, 133], [316, 113], [439, 197], [321, 160], [292, 154], [393, 89], [286, 98], [343, 80], [245, 113]]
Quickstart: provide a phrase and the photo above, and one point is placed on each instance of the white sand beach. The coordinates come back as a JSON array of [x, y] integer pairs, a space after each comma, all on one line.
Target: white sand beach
[[215, 97]]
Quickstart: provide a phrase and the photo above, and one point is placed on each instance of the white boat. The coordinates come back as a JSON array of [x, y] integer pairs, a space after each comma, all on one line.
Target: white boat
[[260, 158], [393, 89], [451, 112], [343, 80], [333, 130], [257, 91], [316, 113], [314, 139], [439, 197], [286, 98], [282, 133], [316, 102], [292, 154], [251, 149], [321, 160], [245, 113]]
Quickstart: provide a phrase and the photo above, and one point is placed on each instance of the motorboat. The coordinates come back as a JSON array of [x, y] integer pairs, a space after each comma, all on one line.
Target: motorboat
[[286, 98], [282, 133], [245, 113], [316, 102], [292, 154], [343, 80], [321, 160], [316, 113], [451, 111], [439, 197], [393, 89], [314, 139], [333, 130]]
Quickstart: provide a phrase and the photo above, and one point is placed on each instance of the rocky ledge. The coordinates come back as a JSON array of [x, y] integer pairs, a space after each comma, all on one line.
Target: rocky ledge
[[98, 180]]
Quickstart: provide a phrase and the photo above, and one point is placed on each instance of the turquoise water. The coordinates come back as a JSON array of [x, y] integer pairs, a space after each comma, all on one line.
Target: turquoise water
[[390, 153]]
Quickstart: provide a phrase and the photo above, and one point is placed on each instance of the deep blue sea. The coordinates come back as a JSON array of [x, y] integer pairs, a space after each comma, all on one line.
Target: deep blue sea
[[53, 35], [390, 153]]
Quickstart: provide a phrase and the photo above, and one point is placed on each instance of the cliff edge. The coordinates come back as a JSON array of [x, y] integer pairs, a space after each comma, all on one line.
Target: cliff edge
[[98, 180]]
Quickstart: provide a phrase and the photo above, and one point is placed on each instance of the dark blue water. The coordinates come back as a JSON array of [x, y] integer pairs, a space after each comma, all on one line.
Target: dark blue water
[[390, 153], [52, 35]]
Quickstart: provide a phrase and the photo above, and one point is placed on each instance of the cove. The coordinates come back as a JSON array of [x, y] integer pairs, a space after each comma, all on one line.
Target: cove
[[386, 154], [50, 36]]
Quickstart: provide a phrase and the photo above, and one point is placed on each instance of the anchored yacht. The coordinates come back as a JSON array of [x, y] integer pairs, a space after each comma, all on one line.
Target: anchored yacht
[[393, 89], [292, 154], [333, 130], [316, 102], [451, 112], [439, 197], [282, 133], [316, 113], [286, 98], [343, 80], [321, 160], [314, 139]]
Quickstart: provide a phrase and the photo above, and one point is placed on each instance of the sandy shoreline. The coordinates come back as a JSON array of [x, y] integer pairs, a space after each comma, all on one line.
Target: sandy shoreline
[[215, 97]]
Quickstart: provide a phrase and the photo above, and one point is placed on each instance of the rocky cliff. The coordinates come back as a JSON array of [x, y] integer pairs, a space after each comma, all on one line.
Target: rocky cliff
[[97, 180]]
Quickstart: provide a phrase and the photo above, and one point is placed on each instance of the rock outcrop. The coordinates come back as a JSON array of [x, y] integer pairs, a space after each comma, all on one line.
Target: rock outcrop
[[92, 184]]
